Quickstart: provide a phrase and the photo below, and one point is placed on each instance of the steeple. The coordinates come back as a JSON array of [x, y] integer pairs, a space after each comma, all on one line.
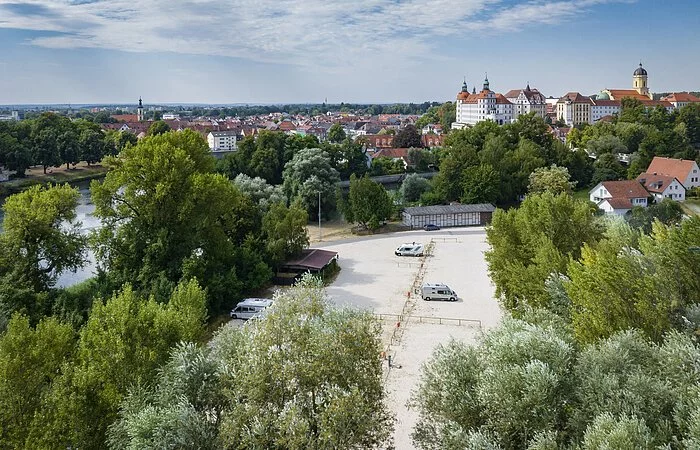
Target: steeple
[[139, 111], [486, 83], [474, 90], [464, 86], [527, 89]]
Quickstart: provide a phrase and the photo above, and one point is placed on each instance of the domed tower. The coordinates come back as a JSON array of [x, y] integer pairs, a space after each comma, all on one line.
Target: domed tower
[[139, 111], [640, 79], [464, 86]]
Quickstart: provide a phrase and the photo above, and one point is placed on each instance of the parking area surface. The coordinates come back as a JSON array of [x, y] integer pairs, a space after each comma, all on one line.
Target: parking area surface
[[373, 278]]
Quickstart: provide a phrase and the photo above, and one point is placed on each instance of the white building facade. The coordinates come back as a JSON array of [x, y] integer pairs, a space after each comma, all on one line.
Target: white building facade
[[526, 101], [222, 141], [478, 107]]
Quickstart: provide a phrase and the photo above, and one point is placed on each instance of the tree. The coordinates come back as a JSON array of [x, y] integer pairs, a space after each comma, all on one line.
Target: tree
[[167, 216], [606, 168], [285, 231], [606, 144], [158, 127], [368, 203], [550, 179], [14, 152], [531, 243], [307, 174], [480, 184], [608, 432], [383, 165], [41, 238], [30, 360], [336, 133], [513, 386], [667, 212], [412, 187], [408, 137], [69, 147], [45, 150], [124, 342], [261, 193], [281, 398]]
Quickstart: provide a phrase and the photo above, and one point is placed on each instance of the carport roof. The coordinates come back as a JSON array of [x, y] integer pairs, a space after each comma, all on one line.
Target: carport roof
[[449, 209], [311, 259]]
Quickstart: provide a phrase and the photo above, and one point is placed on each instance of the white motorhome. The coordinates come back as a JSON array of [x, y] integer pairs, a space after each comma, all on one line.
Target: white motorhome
[[438, 291], [409, 249], [250, 307]]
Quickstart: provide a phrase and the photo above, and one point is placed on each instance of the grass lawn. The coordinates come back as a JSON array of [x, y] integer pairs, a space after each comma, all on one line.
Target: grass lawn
[[581, 194], [55, 175], [691, 206]]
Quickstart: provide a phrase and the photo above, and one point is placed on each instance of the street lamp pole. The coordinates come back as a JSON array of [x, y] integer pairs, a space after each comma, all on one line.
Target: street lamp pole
[[319, 217]]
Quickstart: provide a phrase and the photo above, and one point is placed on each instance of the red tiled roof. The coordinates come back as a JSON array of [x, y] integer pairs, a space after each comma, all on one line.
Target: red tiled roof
[[678, 168], [392, 153], [619, 203], [656, 183], [683, 97], [501, 100], [432, 140], [607, 102], [625, 189], [576, 97]]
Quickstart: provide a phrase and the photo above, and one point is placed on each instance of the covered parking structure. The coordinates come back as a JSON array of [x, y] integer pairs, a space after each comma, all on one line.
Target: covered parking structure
[[312, 260], [456, 215]]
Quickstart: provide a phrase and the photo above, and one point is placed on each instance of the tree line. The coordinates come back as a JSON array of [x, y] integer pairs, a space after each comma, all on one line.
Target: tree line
[[52, 140]]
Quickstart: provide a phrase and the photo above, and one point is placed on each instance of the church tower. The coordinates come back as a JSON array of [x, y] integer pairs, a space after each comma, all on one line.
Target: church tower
[[139, 111], [640, 81]]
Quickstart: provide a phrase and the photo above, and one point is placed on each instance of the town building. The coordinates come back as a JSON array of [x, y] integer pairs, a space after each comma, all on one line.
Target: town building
[[223, 141], [574, 109], [684, 170], [602, 106], [662, 186], [14, 115], [526, 101], [478, 107], [618, 197], [680, 99]]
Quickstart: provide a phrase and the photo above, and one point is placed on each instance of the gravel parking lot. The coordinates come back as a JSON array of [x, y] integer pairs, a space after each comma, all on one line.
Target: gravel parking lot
[[373, 278]]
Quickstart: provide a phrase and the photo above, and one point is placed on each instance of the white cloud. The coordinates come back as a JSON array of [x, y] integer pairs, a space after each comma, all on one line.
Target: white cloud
[[328, 34]]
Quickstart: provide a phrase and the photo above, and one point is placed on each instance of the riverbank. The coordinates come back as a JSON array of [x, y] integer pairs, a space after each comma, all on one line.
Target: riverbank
[[56, 175]]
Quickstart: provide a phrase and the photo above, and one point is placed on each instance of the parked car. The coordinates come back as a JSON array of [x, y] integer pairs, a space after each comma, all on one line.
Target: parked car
[[431, 227], [438, 291], [409, 249]]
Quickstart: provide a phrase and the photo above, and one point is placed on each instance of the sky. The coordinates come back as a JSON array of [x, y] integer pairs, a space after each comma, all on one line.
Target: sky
[[359, 51]]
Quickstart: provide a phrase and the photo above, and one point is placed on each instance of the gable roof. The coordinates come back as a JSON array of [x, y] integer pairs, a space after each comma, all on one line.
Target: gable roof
[[617, 203], [576, 97], [682, 97], [678, 168], [625, 189], [656, 183]]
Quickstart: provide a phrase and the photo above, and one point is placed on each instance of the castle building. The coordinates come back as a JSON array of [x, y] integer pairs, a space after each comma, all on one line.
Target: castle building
[[526, 101], [478, 107]]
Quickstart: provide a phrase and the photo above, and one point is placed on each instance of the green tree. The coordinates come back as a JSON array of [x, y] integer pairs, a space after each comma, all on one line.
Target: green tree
[[606, 168], [261, 193], [514, 385], [408, 137], [412, 187], [368, 202], [158, 127], [69, 147], [606, 144], [667, 212], [307, 174], [41, 238], [14, 150], [123, 343], [383, 165], [167, 216], [531, 243], [30, 360], [550, 179], [480, 184], [336, 133], [285, 231], [280, 397], [625, 433]]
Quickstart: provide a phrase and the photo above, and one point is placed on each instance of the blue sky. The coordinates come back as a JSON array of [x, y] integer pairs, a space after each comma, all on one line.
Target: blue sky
[[238, 51]]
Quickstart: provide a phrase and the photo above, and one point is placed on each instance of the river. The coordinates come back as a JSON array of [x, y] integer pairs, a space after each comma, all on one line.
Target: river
[[89, 222]]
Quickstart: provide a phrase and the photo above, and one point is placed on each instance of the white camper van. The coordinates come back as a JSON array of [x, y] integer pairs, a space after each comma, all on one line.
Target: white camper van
[[250, 307], [437, 291], [409, 249]]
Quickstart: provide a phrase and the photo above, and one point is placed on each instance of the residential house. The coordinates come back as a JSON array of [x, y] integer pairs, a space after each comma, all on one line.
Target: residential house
[[662, 186], [686, 171], [223, 141], [680, 99], [618, 197]]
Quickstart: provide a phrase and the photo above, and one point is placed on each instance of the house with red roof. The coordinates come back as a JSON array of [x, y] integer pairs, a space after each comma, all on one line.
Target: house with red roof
[[685, 170], [662, 186], [680, 99], [619, 197]]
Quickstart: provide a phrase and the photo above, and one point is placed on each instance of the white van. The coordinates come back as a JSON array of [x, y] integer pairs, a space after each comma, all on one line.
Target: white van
[[250, 307], [409, 249], [438, 291]]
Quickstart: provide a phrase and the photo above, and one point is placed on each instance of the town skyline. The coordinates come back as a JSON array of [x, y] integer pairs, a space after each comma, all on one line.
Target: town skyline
[[61, 52]]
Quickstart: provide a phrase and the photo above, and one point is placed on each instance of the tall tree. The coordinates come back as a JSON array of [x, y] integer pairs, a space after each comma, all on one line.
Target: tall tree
[[158, 127], [480, 184], [308, 174], [550, 179], [408, 137], [336, 133], [285, 231], [368, 202]]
